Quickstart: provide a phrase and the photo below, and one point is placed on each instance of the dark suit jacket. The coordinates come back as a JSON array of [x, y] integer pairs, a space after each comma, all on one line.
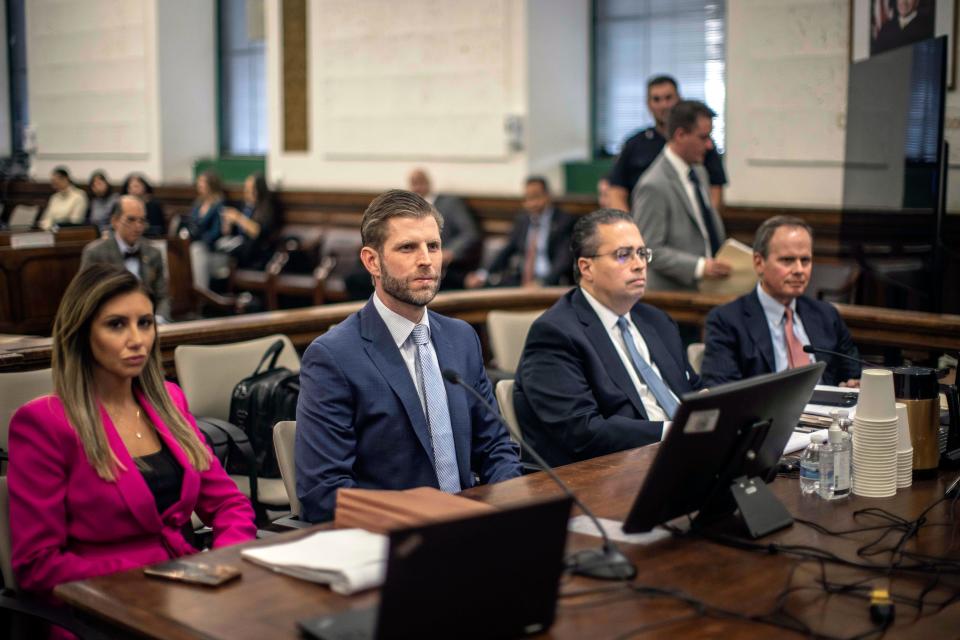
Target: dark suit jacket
[[151, 267], [360, 422], [738, 343], [507, 268], [460, 233], [573, 396]]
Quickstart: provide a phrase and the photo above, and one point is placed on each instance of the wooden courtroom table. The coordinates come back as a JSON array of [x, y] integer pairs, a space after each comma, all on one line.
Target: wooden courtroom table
[[265, 604], [868, 325]]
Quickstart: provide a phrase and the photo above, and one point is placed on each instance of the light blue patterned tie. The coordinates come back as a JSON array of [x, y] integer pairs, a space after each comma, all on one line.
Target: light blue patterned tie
[[438, 413], [650, 378]]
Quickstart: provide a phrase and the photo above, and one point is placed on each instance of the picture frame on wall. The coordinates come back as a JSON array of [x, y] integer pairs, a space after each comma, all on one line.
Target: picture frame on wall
[[877, 26]]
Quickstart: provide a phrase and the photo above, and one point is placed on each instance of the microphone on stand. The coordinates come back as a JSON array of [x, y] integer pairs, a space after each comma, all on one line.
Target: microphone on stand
[[606, 563], [809, 348]]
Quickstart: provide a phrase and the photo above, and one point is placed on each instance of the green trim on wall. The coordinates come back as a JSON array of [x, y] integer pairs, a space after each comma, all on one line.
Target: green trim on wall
[[581, 175], [231, 169]]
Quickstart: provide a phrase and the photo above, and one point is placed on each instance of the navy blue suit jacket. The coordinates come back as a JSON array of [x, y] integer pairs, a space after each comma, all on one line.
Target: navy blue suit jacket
[[738, 343], [360, 422], [573, 396]]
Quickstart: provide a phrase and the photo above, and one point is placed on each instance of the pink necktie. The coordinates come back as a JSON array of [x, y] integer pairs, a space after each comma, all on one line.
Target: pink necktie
[[795, 354]]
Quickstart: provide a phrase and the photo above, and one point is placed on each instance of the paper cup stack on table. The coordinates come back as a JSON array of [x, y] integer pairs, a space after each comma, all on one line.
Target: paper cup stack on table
[[876, 437], [904, 449]]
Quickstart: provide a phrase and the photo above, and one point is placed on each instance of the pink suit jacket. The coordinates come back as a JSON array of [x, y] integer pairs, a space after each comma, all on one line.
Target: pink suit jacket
[[69, 524]]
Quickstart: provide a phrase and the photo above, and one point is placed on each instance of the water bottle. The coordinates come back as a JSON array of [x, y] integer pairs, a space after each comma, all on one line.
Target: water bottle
[[810, 465], [835, 459]]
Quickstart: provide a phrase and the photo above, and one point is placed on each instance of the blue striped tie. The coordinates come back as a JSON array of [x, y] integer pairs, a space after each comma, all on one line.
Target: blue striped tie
[[650, 378], [438, 413]]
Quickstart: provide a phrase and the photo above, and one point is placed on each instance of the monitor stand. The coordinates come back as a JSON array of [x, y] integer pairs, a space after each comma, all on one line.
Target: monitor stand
[[747, 498]]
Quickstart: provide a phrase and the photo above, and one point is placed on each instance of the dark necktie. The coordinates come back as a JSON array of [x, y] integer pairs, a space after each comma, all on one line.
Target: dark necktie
[[131, 253], [706, 214]]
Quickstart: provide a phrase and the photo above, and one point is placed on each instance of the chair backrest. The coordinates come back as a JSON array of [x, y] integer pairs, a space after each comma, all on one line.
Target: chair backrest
[[504, 393], [284, 436], [208, 373], [508, 333], [6, 562], [16, 389], [834, 282], [695, 355]]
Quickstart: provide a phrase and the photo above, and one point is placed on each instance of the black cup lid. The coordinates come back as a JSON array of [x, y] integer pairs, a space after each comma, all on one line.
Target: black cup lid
[[915, 383]]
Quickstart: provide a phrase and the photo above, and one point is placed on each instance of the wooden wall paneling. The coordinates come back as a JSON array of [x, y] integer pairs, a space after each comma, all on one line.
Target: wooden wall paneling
[[295, 79]]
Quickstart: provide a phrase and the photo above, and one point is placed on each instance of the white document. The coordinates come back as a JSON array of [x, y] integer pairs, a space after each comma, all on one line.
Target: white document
[[614, 531], [349, 560]]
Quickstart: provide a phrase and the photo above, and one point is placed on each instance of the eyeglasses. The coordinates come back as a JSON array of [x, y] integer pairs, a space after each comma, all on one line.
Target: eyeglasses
[[623, 254]]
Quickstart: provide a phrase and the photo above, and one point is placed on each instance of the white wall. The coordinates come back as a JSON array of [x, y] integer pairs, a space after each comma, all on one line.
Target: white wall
[[5, 142], [187, 65], [558, 62], [121, 85], [787, 64], [410, 68]]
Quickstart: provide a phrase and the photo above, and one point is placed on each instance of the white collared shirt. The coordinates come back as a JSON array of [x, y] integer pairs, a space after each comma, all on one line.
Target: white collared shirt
[[683, 170], [609, 321], [130, 264], [401, 330], [776, 315], [541, 266]]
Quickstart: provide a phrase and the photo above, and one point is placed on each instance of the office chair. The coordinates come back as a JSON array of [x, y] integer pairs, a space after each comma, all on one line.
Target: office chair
[[695, 355], [208, 374], [32, 611], [16, 389], [284, 436], [508, 333]]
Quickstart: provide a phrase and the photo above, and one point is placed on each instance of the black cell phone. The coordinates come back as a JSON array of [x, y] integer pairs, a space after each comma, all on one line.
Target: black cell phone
[[194, 572], [834, 398]]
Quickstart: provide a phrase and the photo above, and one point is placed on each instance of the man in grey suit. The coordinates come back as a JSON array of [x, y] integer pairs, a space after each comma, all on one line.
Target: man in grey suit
[[125, 248], [672, 206], [462, 245]]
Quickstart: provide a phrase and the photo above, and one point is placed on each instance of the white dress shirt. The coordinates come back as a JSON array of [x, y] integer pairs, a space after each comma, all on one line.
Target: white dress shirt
[[609, 320], [401, 330], [777, 323], [130, 264]]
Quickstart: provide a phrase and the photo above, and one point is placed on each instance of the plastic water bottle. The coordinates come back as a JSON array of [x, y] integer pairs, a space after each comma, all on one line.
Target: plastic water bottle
[[810, 465], [835, 460]]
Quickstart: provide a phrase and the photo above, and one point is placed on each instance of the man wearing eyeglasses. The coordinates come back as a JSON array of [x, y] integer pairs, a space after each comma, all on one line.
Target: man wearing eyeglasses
[[601, 371], [126, 249]]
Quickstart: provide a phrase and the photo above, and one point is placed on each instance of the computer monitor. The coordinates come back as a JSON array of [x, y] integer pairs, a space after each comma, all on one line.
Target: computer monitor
[[489, 576], [735, 431]]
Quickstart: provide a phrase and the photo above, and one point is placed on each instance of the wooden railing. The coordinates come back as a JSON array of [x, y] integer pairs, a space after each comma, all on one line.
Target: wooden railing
[[868, 325]]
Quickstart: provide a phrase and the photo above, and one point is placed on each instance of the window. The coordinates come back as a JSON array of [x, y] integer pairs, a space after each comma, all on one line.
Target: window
[[637, 39], [243, 113], [17, 62]]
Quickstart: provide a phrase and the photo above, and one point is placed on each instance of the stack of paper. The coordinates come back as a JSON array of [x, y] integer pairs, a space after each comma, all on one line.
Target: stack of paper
[[383, 511], [349, 560]]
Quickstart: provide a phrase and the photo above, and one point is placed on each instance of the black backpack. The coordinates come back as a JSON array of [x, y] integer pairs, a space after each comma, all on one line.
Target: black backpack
[[259, 402]]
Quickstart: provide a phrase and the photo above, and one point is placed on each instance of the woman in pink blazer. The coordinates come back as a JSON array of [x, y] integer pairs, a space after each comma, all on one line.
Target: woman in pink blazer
[[104, 474]]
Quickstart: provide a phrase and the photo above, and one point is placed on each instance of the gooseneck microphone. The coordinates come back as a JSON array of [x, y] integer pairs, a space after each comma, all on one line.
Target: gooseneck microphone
[[809, 348], [606, 563]]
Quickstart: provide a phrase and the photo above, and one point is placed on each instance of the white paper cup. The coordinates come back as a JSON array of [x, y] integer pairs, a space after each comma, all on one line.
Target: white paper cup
[[903, 428], [876, 400]]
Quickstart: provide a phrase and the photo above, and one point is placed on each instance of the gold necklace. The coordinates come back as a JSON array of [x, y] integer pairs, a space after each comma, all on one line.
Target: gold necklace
[[136, 429]]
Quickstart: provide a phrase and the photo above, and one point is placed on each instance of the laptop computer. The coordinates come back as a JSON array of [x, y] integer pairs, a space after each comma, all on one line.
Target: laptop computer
[[489, 576]]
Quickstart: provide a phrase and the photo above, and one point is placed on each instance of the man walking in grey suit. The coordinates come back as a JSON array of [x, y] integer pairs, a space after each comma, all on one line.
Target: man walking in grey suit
[[125, 248], [672, 206]]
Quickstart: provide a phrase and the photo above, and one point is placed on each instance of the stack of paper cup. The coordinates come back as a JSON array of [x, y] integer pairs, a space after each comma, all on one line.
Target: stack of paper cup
[[904, 449], [876, 435]]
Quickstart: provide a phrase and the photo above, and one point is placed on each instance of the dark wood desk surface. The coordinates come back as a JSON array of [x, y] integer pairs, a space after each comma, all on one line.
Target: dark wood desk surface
[[264, 604]]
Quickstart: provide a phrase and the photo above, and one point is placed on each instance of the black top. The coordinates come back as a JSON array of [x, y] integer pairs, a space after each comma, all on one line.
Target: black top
[[164, 476], [639, 152]]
